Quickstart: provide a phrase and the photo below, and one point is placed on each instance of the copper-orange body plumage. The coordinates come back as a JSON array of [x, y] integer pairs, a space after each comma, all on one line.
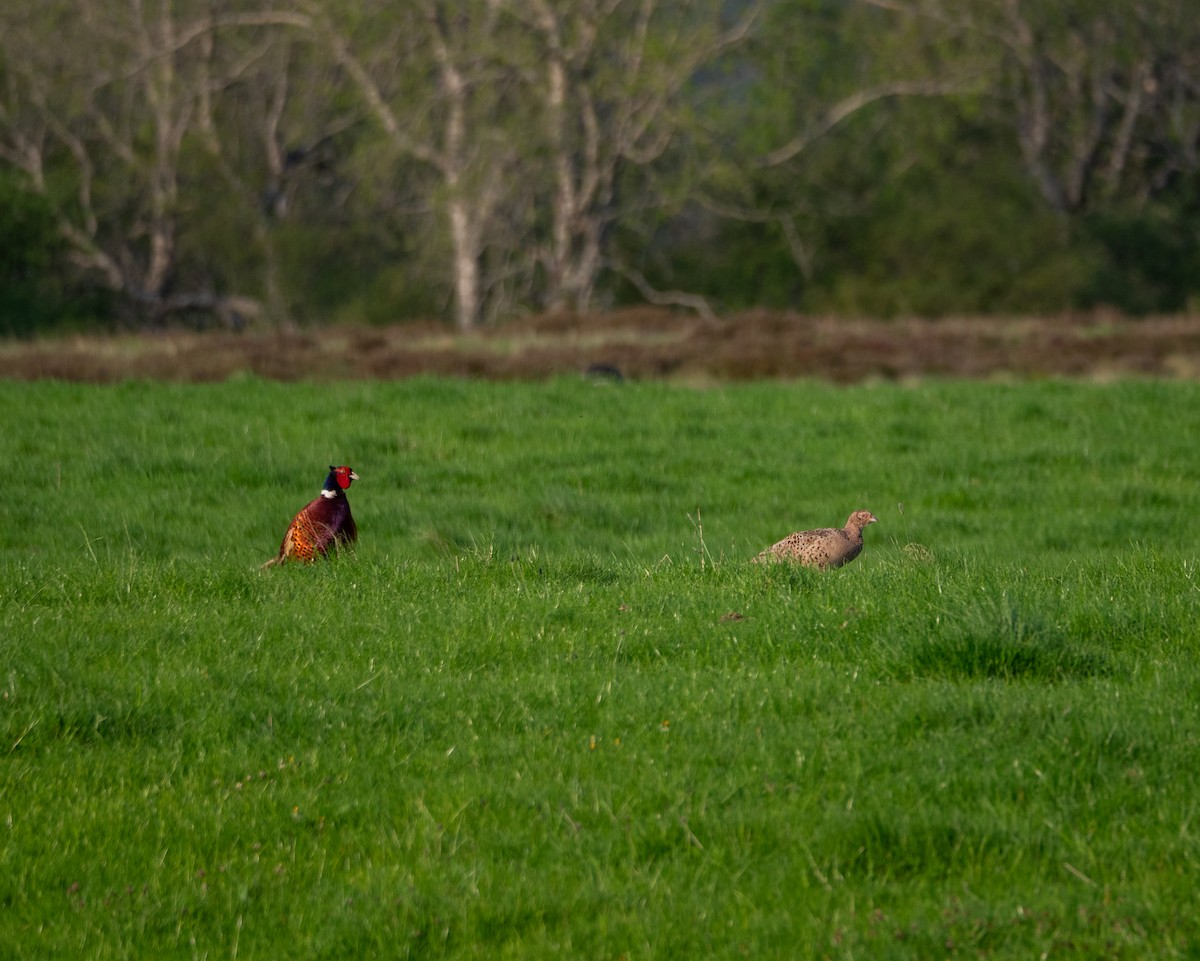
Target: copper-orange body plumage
[[323, 523]]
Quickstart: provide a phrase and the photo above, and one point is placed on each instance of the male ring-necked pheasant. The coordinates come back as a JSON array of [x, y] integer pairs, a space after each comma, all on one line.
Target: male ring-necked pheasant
[[324, 522], [824, 548]]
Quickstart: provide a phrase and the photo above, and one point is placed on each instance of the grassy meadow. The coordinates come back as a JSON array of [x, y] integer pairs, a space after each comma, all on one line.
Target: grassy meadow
[[547, 709]]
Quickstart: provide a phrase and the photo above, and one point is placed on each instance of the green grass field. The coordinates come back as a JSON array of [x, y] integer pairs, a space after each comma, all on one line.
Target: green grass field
[[547, 709]]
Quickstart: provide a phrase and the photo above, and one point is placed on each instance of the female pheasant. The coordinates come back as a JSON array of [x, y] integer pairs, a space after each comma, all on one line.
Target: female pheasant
[[323, 522], [824, 548]]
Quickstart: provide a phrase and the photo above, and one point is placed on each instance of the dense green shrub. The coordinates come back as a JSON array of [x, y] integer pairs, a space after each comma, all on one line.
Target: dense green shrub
[[33, 294]]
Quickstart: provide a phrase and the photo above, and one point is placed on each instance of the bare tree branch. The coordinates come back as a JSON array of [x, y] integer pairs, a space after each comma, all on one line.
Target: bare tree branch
[[852, 104], [664, 298]]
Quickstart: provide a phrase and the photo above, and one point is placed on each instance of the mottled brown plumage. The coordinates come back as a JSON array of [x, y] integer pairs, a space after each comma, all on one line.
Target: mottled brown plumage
[[825, 548], [324, 522]]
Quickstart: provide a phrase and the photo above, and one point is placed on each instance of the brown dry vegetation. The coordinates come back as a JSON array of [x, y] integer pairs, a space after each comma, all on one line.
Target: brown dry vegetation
[[641, 343]]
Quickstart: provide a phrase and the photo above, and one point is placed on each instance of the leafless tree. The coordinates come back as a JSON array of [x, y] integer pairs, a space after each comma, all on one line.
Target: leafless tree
[[430, 77], [1103, 99], [109, 104], [607, 89], [526, 111], [817, 82]]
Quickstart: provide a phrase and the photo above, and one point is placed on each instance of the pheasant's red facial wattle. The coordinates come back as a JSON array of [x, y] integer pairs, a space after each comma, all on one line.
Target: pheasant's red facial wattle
[[343, 476]]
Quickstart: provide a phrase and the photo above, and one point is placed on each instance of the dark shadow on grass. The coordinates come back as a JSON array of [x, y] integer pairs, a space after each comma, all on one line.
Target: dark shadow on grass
[[100, 724], [587, 571], [793, 576], [1002, 642], [900, 847]]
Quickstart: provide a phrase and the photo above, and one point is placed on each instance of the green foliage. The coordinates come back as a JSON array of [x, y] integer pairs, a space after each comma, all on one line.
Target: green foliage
[[956, 234], [33, 297], [923, 203], [548, 708], [1150, 261], [838, 157]]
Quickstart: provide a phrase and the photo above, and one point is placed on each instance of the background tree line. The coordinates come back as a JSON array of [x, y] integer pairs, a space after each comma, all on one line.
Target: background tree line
[[282, 161]]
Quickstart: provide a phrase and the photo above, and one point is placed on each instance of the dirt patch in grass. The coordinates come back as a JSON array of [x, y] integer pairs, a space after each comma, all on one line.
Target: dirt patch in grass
[[640, 344]]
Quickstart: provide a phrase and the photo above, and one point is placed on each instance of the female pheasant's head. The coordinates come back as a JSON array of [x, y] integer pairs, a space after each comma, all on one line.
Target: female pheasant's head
[[860, 519], [338, 480]]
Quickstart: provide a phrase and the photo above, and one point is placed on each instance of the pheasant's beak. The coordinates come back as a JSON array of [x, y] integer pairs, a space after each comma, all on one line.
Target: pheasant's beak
[[353, 476]]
